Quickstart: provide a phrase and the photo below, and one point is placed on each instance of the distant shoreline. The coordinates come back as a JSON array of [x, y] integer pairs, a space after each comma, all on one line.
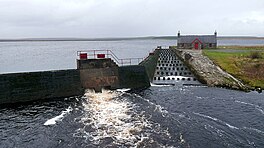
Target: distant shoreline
[[124, 38]]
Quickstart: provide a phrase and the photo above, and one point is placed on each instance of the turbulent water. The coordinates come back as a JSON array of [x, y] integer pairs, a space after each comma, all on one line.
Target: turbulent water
[[161, 116]]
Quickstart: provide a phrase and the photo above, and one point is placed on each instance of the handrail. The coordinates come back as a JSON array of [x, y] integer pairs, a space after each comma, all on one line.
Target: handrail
[[110, 54]]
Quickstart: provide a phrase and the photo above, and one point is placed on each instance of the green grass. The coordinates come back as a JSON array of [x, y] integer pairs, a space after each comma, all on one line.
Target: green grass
[[241, 65], [242, 47]]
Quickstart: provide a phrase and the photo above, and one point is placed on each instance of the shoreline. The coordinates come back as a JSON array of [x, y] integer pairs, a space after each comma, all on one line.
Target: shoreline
[[124, 38]]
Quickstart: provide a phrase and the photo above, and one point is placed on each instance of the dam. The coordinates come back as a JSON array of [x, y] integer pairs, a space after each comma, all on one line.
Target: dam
[[98, 69], [170, 70]]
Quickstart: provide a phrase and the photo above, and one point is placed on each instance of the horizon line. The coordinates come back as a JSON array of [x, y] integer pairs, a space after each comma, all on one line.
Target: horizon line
[[119, 38]]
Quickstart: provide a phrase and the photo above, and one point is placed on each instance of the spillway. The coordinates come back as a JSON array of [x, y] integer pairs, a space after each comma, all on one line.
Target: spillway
[[170, 70]]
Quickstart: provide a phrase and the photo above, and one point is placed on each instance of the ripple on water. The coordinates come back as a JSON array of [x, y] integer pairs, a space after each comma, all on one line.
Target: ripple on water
[[250, 104]]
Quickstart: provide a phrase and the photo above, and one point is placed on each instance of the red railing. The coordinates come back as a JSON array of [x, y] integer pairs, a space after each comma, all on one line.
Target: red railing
[[101, 54]]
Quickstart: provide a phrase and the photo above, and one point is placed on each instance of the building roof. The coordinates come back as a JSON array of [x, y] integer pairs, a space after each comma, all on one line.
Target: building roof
[[202, 38]]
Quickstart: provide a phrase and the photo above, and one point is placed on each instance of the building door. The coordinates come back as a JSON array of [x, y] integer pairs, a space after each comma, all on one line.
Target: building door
[[196, 45]]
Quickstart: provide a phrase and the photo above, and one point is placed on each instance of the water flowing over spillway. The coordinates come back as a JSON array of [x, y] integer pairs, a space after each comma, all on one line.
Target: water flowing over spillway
[[111, 117]]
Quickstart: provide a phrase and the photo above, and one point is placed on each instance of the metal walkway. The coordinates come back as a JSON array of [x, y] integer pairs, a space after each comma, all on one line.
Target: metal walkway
[[172, 71]]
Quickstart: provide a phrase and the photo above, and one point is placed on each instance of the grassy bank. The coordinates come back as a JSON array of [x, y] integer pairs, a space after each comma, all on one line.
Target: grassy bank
[[247, 66], [242, 47]]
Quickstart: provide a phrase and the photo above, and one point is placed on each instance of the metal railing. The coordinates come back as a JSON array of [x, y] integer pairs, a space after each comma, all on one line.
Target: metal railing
[[95, 54]]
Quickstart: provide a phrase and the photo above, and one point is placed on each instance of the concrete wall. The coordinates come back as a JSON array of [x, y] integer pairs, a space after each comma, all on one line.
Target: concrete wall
[[150, 63], [134, 76], [95, 63], [104, 73], [98, 78], [98, 73], [22, 87], [92, 73]]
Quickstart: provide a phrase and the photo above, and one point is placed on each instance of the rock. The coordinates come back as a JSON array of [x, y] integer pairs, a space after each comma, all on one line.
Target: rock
[[206, 71]]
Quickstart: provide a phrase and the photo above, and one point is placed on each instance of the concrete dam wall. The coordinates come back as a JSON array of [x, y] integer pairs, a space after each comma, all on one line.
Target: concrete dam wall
[[23, 87], [90, 74], [105, 73], [162, 66]]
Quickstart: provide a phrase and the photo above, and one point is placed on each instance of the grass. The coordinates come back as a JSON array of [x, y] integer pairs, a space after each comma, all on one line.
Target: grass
[[247, 66], [242, 47]]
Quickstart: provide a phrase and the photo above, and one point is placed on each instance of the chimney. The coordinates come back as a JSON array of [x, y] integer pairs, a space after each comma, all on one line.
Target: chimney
[[215, 33], [179, 34]]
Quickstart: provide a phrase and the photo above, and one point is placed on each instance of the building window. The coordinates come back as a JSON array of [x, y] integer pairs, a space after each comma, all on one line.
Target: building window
[[210, 45]]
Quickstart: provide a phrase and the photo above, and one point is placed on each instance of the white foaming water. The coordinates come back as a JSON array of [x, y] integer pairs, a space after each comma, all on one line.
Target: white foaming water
[[157, 85], [109, 115], [123, 90], [53, 121]]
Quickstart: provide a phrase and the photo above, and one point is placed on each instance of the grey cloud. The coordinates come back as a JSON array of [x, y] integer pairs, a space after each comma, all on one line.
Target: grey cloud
[[116, 18]]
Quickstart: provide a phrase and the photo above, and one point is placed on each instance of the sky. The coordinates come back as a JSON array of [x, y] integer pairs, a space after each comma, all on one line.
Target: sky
[[129, 18]]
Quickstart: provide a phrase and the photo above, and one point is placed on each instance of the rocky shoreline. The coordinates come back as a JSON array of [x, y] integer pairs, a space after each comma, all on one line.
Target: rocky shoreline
[[208, 72]]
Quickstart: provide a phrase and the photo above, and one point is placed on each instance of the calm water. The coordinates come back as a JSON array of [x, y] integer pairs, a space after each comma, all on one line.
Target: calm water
[[39, 56], [161, 116]]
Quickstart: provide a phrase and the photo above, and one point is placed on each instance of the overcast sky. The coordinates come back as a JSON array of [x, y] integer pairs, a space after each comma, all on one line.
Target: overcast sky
[[129, 18]]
